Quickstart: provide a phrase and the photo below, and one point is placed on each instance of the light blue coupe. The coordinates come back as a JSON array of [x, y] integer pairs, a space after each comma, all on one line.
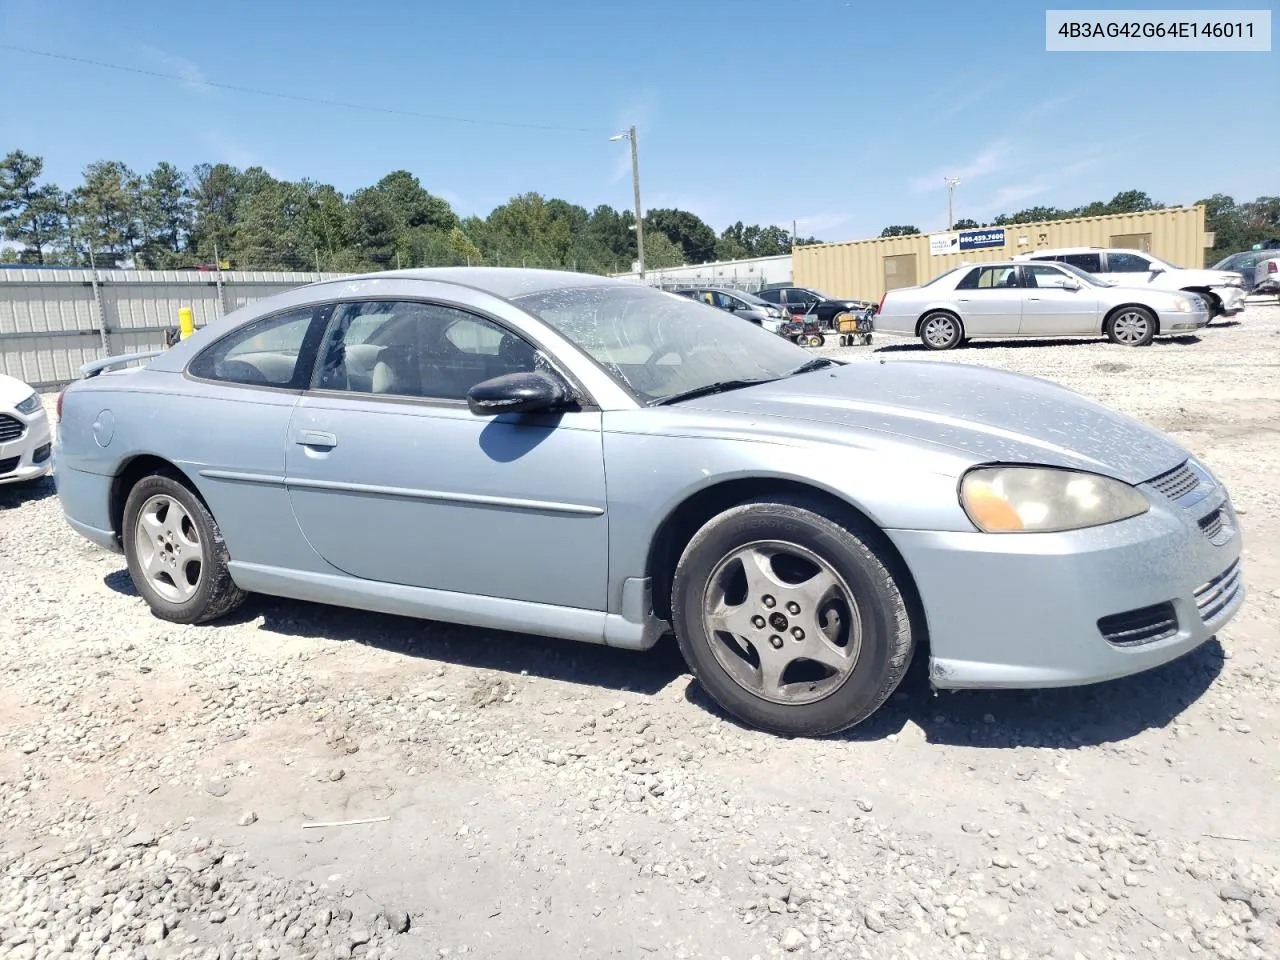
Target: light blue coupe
[[568, 455]]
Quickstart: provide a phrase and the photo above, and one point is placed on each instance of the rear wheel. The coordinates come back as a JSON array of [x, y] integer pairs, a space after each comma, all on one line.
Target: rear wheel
[[941, 331], [789, 618], [1132, 327], [175, 553]]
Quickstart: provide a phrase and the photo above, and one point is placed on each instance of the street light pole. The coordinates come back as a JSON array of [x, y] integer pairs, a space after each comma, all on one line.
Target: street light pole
[[635, 184], [951, 186]]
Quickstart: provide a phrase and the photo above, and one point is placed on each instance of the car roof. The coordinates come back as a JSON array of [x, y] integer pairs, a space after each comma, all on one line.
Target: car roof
[[1058, 251], [505, 282]]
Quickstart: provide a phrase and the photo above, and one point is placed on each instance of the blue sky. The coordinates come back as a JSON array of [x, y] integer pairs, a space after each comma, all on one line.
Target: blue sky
[[843, 114]]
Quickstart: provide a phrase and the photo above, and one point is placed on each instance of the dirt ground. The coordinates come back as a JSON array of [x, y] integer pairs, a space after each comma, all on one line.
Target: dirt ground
[[164, 790]]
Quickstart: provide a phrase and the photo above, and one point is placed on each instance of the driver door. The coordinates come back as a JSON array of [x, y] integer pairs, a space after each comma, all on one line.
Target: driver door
[[393, 479]]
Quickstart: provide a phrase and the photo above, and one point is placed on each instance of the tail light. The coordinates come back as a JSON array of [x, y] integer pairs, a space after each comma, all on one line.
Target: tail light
[[1273, 267], [58, 406], [880, 308]]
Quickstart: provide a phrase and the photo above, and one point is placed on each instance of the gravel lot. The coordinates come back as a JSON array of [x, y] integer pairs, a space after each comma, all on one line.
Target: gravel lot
[[163, 788]]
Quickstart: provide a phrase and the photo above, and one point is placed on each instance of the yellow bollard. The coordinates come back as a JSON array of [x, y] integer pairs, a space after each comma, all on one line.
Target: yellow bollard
[[186, 322]]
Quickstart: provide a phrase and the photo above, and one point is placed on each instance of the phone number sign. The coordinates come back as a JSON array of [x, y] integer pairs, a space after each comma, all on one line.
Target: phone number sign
[[981, 239]]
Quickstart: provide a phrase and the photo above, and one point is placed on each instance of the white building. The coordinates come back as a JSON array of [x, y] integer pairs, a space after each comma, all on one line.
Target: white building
[[751, 274]]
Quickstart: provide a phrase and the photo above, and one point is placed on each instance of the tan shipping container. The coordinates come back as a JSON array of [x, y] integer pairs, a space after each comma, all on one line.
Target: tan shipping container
[[865, 269]]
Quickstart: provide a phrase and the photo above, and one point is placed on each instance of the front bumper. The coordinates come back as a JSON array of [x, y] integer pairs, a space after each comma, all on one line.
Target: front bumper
[[28, 456], [1182, 322], [1029, 610], [1232, 299]]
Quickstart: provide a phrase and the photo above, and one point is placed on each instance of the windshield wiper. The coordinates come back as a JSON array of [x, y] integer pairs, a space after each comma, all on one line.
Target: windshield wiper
[[817, 363], [720, 386]]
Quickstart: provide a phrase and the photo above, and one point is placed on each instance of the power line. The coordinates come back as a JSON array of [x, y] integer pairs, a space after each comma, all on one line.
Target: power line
[[297, 97]]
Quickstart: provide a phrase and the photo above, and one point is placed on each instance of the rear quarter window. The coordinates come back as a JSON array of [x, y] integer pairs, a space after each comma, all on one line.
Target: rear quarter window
[[276, 351]]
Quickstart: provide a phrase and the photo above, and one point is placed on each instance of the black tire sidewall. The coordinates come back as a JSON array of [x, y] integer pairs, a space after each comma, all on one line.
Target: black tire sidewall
[[874, 677], [192, 610]]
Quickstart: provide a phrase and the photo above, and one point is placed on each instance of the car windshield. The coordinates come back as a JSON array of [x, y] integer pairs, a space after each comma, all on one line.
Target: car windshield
[[658, 345]]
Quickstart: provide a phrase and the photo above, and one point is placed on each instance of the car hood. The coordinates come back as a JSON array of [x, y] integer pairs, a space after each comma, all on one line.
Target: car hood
[[990, 415], [12, 391], [1208, 278]]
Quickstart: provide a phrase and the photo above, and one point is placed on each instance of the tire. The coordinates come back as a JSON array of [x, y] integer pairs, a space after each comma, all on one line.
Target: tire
[[176, 555], [941, 331], [1211, 301], [1131, 327], [817, 340], [793, 535]]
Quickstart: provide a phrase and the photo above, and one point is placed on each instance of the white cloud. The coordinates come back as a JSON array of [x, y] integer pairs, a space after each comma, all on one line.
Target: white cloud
[[992, 158], [188, 70], [967, 100]]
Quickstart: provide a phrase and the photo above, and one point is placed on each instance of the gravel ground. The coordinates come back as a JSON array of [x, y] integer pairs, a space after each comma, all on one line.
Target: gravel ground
[[164, 790]]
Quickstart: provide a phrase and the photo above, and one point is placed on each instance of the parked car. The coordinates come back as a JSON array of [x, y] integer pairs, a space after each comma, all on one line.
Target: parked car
[[1012, 299], [1266, 275], [1259, 269], [25, 443], [802, 300], [744, 305], [1222, 290], [567, 455]]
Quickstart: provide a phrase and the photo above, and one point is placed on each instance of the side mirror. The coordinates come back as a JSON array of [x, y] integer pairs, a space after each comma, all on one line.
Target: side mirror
[[1071, 285], [534, 392], [1156, 268]]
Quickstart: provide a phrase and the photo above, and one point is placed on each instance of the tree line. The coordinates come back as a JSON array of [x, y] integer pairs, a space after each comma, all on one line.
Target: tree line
[[1235, 226], [169, 218]]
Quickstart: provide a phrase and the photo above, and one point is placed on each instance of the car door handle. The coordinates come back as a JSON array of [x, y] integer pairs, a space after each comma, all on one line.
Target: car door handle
[[963, 299], [316, 438], [1033, 298]]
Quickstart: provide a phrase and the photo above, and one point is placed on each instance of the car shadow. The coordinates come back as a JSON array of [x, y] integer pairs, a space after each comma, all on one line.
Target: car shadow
[[1061, 718], [16, 494], [1030, 343]]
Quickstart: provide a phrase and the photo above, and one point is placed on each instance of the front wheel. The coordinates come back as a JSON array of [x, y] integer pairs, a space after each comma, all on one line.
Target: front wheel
[[175, 553], [1132, 327], [941, 331], [789, 618]]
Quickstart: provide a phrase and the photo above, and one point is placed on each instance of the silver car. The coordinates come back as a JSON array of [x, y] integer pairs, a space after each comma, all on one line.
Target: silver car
[[1013, 299], [568, 455]]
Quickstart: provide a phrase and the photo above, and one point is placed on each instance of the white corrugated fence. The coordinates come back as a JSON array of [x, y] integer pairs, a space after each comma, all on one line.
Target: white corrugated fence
[[53, 320]]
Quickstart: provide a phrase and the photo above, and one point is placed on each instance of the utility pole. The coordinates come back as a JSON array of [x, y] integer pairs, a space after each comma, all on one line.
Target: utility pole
[[793, 234], [951, 186], [635, 184]]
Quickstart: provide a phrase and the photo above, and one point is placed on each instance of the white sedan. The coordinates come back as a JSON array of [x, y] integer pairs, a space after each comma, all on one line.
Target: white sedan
[[1011, 299], [25, 441]]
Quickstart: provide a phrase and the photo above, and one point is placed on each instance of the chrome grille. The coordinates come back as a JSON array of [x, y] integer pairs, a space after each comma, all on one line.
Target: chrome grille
[[1177, 483], [1215, 596], [8, 465], [1144, 625], [11, 428]]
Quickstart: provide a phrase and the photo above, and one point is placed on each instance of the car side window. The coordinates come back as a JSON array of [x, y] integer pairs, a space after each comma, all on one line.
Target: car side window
[[1127, 263], [406, 348], [988, 278], [725, 302], [1088, 262], [772, 296], [271, 352], [1043, 276]]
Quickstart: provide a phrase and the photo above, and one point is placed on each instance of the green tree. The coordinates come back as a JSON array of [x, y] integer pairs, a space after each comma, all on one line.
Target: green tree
[[214, 190], [965, 224], [106, 212], [899, 230], [686, 230], [660, 252], [167, 217], [30, 214], [374, 227]]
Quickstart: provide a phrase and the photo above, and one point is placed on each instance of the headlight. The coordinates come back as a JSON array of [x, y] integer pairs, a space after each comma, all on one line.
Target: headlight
[[1045, 499], [29, 405], [1183, 305]]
